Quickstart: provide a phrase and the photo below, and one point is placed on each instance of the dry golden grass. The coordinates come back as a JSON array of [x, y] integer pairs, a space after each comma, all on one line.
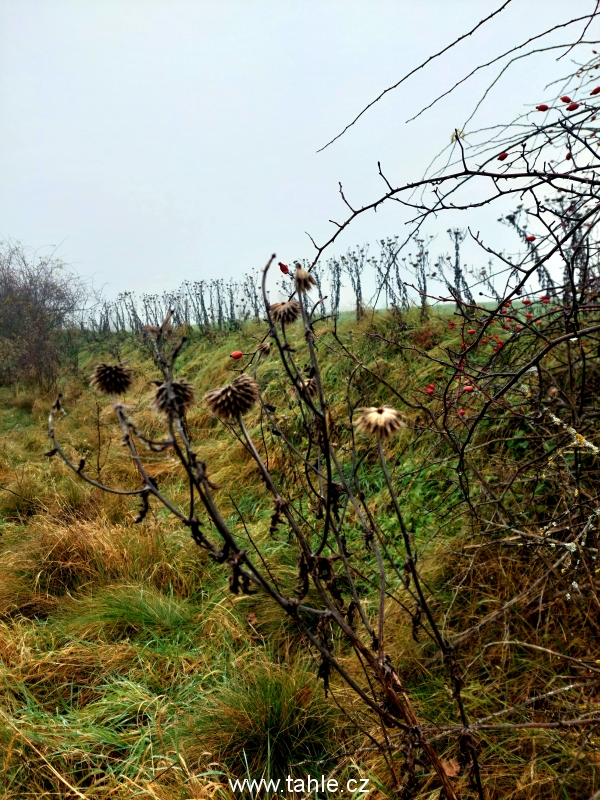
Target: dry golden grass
[[52, 561], [71, 673]]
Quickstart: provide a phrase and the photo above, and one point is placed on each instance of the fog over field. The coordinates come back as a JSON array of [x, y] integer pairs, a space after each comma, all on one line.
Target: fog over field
[[155, 141]]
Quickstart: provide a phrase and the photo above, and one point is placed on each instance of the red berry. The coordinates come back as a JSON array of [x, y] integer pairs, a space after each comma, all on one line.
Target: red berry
[[568, 157], [236, 354], [430, 390], [565, 98], [517, 327], [545, 299], [461, 411], [484, 341], [572, 106], [468, 388], [530, 238], [529, 316], [471, 331], [596, 90], [538, 322], [451, 323], [593, 118], [542, 107], [502, 156], [284, 268], [526, 302]]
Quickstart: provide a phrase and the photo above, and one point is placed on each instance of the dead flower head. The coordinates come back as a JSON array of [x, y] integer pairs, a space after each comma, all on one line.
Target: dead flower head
[[304, 280], [286, 312], [111, 378], [182, 397], [233, 400], [307, 388], [383, 421], [264, 348]]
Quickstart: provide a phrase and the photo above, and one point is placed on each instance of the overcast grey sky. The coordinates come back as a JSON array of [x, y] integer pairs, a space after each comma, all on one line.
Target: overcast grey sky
[[159, 140]]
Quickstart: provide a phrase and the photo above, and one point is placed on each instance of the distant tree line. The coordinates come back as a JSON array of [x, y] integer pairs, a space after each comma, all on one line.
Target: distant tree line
[[47, 312], [217, 305]]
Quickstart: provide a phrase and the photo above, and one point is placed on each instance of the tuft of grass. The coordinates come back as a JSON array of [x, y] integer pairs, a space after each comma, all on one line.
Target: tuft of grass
[[70, 676], [52, 560], [20, 498], [117, 612], [24, 401], [264, 720]]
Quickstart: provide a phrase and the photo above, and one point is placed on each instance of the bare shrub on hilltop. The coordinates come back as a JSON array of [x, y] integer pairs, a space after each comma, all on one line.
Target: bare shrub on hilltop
[[39, 298]]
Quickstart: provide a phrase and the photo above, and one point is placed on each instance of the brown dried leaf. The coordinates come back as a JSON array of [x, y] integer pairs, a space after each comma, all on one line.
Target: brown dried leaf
[[304, 695], [451, 768]]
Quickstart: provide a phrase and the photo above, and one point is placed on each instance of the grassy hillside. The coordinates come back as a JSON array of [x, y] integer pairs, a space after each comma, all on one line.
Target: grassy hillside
[[130, 670]]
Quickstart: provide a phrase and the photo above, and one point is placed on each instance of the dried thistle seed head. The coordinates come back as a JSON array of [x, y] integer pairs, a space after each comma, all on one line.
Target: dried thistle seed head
[[304, 280], [285, 313], [307, 388], [383, 421], [182, 397], [233, 400], [264, 348], [111, 378]]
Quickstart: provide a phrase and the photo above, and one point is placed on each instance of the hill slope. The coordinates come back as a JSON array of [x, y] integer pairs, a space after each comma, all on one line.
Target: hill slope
[[130, 669]]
